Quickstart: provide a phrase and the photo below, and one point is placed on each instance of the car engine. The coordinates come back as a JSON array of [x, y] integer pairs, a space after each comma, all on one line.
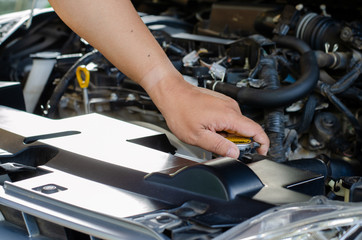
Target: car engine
[[293, 68]]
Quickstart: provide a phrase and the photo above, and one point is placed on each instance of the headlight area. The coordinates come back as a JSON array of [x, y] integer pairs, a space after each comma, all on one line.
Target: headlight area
[[318, 218]]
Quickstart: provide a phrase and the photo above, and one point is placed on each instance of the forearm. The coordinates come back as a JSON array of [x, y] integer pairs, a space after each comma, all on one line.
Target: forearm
[[195, 115], [115, 29]]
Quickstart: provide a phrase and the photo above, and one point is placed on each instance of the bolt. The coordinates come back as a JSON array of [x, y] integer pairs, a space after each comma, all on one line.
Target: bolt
[[163, 219], [49, 189], [328, 122], [346, 33]]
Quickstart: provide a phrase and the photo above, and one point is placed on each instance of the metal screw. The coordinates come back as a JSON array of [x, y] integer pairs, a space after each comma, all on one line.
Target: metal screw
[[163, 219], [49, 189]]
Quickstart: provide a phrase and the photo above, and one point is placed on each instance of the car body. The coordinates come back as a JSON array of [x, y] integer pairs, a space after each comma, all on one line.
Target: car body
[[105, 166]]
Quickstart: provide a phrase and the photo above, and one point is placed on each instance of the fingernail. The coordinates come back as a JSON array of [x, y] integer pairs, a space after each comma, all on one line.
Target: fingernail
[[232, 153]]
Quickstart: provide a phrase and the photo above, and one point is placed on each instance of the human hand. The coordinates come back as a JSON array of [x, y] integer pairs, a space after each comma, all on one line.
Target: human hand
[[196, 116], [201, 117]]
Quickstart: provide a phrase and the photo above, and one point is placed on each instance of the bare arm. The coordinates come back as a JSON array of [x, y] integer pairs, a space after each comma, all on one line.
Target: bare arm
[[115, 29], [195, 115]]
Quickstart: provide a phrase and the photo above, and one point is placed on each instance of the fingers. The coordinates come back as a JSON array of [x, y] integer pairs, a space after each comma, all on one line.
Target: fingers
[[216, 143], [246, 127], [213, 138], [203, 118], [263, 139]]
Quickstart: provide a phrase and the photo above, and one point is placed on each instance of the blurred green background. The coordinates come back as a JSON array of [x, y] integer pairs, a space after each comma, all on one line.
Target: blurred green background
[[7, 6]]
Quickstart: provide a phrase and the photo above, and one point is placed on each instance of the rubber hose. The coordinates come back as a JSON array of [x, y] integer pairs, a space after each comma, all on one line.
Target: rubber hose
[[63, 84], [281, 96], [352, 93], [347, 80], [293, 43], [308, 113], [324, 59], [326, 78], [354, 122], [334, 60]]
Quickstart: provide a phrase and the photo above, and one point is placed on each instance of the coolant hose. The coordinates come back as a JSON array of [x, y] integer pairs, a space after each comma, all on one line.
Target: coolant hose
[[333, 60], [63, 84], [282, 96], [347, 80], [350, 116]]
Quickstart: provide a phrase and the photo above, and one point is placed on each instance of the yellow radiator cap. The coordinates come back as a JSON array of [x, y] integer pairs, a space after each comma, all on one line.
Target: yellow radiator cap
[[239, 139], [245, 145]]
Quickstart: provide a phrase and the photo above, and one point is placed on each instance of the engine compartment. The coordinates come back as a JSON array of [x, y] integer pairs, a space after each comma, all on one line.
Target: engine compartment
[[293, 68]]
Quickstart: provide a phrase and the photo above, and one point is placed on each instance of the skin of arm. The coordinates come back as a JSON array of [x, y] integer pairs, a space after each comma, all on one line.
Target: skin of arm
[[195, 115]]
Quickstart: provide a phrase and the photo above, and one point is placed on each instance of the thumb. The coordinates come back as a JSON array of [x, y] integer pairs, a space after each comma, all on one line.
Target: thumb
[[216, 143]]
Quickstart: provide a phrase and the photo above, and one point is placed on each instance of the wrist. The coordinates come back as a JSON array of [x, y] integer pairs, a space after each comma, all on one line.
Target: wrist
[[155, 74], [163, 84]]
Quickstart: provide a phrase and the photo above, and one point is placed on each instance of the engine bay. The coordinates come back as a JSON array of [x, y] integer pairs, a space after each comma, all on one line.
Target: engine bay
[[293, 68]]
